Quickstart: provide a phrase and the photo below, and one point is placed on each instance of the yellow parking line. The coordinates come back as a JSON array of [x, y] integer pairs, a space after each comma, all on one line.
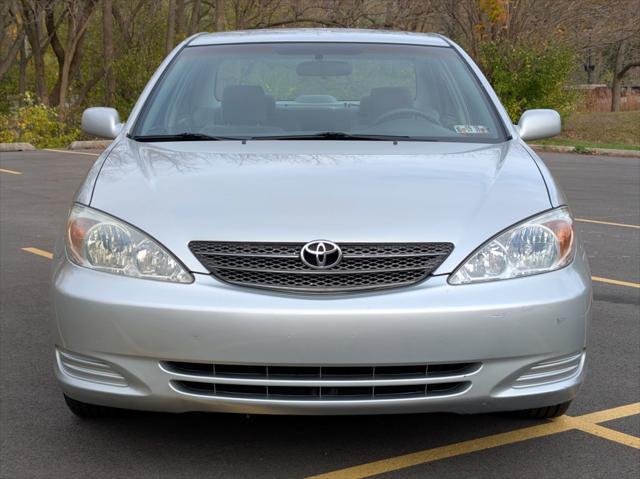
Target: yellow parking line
[[611, 414], [444, 452], [11, 172], [39, 252], [72, 152], [617, 282], [608, 223], [584, 423], [603, 432]]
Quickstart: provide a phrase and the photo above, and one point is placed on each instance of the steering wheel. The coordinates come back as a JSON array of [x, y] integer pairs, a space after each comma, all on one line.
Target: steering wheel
[[401, 112]]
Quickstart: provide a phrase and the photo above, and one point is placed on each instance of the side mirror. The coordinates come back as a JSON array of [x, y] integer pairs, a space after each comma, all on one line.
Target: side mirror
[[102, 122], [538, 124]]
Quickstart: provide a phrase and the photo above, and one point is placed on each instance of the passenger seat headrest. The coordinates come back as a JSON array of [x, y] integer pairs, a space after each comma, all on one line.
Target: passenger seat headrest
[[244, 105]]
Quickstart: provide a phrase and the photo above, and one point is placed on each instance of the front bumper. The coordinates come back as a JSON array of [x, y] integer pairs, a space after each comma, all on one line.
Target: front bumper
[[113, 335]]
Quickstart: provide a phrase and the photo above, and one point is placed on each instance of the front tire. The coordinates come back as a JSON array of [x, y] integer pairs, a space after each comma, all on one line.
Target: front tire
[[87, 411], [547, 412]]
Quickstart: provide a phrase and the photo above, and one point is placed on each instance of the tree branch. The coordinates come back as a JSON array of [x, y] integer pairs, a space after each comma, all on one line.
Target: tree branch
[[623, 71]]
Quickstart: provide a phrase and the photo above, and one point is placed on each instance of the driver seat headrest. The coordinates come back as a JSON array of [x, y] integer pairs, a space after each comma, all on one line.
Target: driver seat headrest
[[245, 105], [384, 99]]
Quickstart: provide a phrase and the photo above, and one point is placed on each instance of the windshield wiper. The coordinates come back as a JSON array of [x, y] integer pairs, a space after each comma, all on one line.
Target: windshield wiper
[[335, 135], [186, 136]]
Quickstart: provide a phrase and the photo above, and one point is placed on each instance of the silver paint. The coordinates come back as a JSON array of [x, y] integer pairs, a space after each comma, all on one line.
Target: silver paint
[[377, 192]]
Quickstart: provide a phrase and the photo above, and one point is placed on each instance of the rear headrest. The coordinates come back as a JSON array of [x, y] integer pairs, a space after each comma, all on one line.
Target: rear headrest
[[384, 99], [244, 105]]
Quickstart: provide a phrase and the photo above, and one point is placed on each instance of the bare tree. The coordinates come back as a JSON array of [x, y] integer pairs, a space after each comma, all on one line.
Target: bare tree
[[32, 13], [107, 46], [67, 50], [219, 16], [10, 44], [171, 27], [180, 18], [194, 20], [622, 65]]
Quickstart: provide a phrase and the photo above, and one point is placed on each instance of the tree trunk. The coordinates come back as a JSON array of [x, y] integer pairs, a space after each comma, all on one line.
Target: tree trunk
[[69, 54], [219, 13], [7, 62], [390, 13], [59, 52], [22, 71], [32, 24], [107, 46], [171, 27], [180, 18], [616, 85], [195, 17]]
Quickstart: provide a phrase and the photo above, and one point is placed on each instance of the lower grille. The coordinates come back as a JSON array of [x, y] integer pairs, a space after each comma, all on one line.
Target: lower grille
[[302, 383], [320, 372], [353, 393], [278, 266]]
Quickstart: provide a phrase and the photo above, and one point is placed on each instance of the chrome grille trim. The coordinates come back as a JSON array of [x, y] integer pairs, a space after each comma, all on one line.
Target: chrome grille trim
[[328, 394], [318, 383], [277, 266]]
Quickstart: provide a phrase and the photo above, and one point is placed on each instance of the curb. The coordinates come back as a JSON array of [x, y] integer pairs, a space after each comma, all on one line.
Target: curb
[[588, 151], [16, 147], [90, 145]]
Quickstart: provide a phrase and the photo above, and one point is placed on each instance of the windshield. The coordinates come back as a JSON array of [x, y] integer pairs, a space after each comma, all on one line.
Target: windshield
[[319, 90]]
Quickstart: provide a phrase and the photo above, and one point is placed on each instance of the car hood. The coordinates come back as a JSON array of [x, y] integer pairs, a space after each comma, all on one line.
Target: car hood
[[298, 191]]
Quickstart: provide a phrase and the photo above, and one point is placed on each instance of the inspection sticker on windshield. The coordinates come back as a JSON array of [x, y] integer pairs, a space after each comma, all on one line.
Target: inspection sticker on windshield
[[471, 129]]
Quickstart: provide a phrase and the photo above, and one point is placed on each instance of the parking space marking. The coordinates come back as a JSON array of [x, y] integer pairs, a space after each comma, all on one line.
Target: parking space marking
[[11, 172], [39, 252], [584, 423], [607, 415], [608, 223], [603, 432], [617, 282], [72, 152]]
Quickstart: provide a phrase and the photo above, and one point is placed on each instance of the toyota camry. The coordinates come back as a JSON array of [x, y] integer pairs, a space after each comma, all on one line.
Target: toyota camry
[[320, 222]]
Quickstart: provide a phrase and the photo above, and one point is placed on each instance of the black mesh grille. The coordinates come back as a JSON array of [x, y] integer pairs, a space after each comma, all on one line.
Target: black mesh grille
[[278, 265]]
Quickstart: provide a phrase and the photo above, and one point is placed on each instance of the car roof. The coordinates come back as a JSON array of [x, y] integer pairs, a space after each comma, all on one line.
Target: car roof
[[319, 35]]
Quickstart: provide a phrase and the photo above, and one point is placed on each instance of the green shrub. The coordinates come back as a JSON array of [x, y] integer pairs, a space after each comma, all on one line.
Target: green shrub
[[526, 76], [37, 124], [582, 150]]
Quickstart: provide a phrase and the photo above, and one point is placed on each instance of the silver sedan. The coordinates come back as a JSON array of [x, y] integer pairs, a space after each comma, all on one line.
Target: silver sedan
[[320, 222]]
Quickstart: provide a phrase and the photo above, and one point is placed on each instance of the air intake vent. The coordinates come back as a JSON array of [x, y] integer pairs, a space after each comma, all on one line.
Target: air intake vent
[[326, 393], [320, 372], [301, 383]]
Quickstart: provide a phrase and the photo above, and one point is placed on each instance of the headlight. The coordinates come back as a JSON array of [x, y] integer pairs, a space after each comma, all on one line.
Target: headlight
[[538, 245], [98, 241]]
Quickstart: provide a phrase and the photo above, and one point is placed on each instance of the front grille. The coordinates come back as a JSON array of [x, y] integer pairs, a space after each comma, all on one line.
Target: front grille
[[302, 383], [278, 265]]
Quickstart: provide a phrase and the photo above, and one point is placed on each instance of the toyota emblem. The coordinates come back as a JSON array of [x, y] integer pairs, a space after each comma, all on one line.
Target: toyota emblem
[[321, 254]]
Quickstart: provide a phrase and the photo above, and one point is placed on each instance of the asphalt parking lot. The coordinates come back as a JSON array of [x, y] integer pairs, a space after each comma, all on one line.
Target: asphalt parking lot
[[599, 437]]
